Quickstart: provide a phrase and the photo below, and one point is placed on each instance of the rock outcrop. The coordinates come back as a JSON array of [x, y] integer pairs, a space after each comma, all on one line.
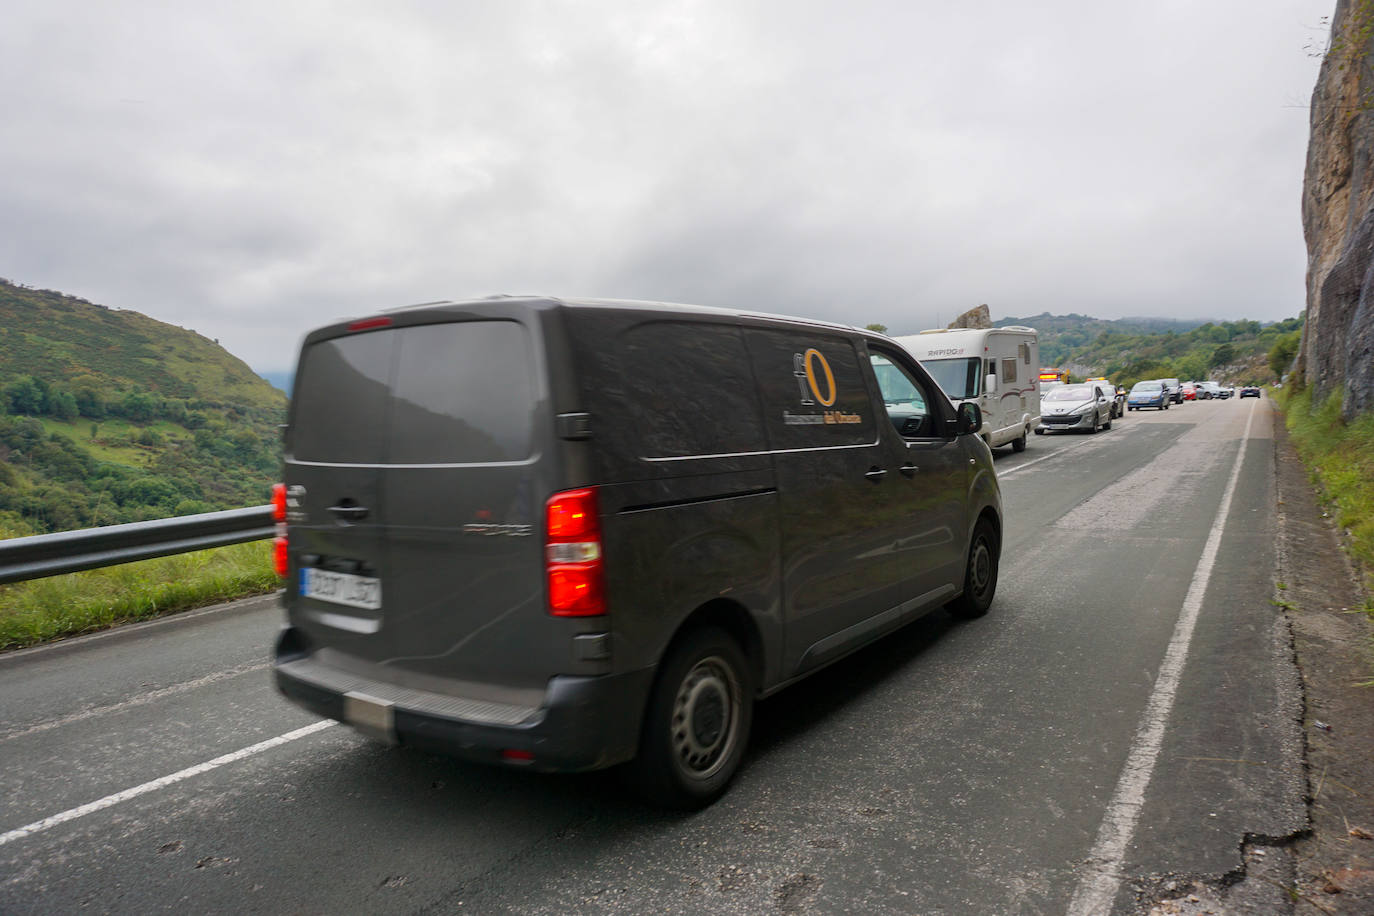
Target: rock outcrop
[[1338, 216], [978, 317]]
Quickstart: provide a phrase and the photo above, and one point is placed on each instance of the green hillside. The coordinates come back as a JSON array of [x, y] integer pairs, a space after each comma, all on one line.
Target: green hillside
[[1127, 350], [110, 416]]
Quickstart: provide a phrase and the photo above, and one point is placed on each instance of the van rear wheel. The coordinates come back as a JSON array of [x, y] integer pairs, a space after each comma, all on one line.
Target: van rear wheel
[[697, 723], [980, 574], [1019, 443]]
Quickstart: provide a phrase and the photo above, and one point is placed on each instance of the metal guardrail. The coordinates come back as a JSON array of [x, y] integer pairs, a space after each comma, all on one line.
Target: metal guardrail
[[72, 551]]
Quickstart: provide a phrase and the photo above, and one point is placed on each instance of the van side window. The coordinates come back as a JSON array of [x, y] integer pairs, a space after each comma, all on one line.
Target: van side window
[[688, 391], [1009, 369], [1025, 353], [907, 402], [813, 391]]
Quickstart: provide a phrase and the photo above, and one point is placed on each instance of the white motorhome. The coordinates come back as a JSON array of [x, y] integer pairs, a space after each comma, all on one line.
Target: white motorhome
[[994, 367]]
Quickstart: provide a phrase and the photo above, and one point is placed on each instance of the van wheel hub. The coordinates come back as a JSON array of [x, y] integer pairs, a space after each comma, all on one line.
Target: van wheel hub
[[705, 715], [980, 567]]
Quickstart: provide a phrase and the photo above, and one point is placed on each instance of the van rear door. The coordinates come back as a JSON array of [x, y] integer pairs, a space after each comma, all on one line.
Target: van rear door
[[413, 461]]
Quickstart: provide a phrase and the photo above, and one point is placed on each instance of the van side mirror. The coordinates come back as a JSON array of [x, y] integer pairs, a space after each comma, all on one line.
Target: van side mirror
[[970, 418], [990, 384]]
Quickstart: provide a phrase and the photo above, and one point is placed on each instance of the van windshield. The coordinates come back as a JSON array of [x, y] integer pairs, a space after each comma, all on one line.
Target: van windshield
[[452, 393], [957, 377]]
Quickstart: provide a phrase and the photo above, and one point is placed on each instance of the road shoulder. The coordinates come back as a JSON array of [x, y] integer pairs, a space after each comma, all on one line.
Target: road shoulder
[[1335, 864]]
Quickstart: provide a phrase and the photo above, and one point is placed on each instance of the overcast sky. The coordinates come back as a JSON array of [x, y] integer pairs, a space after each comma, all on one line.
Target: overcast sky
[[254, 169]]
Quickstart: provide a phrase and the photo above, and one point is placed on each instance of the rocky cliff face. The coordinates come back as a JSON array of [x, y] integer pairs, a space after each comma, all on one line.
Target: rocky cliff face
[[1338, 215], [978, 317]]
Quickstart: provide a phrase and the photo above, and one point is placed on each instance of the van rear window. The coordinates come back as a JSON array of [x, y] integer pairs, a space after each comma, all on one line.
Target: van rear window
[[451, 393]]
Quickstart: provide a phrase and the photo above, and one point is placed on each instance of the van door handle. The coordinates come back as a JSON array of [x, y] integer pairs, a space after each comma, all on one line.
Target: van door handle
[[349, 512], [876, 474], [908, 470]]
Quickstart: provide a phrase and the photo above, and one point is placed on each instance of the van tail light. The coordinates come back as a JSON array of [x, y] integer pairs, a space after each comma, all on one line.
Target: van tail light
[[279, 556], [573, 564], [279, 562]]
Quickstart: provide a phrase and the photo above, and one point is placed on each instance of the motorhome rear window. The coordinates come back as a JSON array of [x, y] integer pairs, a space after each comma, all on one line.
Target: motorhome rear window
[[451, 393]]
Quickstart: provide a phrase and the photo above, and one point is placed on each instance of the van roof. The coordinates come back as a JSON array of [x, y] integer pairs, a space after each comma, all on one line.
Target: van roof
[[537, 302]]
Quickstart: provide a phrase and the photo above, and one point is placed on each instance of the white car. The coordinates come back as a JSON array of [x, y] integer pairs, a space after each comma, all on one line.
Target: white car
[[1084, 406]]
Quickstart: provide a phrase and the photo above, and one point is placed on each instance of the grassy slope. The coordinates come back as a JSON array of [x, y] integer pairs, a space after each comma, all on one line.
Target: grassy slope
[[62, 606], [74, 345], [57, 338], [64, 340], [1340, 457]]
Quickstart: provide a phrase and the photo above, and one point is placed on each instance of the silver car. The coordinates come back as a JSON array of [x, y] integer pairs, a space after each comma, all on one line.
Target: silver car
[[1085, 406]]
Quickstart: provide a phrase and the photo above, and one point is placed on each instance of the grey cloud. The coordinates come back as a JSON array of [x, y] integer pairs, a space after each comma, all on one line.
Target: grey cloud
[[259, 168]]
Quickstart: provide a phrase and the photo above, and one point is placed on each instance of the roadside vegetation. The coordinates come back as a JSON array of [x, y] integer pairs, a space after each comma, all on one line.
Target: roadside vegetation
[[109, 416], [42, 610], [1340, 458], [1129, 349]]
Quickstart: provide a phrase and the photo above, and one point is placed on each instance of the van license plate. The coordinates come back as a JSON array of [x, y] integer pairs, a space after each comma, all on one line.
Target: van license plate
[[342, 588]]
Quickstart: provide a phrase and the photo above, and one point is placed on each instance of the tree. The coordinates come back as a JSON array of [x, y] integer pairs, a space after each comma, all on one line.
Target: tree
[[1282, 354], [24, 396], [139, 406], [90, 402], [62, 405], [876, 328], [1221, 356]]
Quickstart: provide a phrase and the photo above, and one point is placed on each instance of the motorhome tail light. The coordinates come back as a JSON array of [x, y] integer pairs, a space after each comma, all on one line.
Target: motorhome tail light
[[573, 563], [279, 518]]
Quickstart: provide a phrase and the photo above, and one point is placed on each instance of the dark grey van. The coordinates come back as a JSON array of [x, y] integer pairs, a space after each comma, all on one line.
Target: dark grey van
[[570, 534]]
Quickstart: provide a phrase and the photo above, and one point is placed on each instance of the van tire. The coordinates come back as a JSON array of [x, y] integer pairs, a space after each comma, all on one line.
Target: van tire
[[980, 574], [697, 722], [1019, 444]]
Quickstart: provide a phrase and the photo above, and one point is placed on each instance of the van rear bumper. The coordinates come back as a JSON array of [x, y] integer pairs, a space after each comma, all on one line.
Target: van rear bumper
[[584, 723]]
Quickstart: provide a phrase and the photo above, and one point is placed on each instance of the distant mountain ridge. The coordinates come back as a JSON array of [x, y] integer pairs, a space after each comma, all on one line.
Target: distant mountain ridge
[[1127, 350], [1142, 325]]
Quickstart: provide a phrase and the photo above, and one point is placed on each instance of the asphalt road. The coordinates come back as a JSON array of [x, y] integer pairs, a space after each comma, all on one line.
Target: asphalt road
[[1128, 709]]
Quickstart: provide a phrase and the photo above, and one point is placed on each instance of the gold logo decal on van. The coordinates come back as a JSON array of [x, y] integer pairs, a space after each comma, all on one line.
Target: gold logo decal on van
[[804, 368]]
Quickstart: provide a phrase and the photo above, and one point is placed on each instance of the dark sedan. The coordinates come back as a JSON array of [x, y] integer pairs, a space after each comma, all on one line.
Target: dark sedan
[[1250, 391]]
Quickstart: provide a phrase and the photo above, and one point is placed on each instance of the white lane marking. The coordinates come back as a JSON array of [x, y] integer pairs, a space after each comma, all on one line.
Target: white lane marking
[[1102, 877], [1057, 453], [111, 800], [140, 700], [1021, 467]]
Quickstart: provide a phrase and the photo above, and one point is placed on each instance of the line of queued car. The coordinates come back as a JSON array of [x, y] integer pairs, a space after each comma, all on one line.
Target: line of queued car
[[1161, 392], [1094, 404]]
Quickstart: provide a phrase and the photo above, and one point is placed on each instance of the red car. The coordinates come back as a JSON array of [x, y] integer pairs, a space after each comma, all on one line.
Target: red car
[[1189, 391]]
